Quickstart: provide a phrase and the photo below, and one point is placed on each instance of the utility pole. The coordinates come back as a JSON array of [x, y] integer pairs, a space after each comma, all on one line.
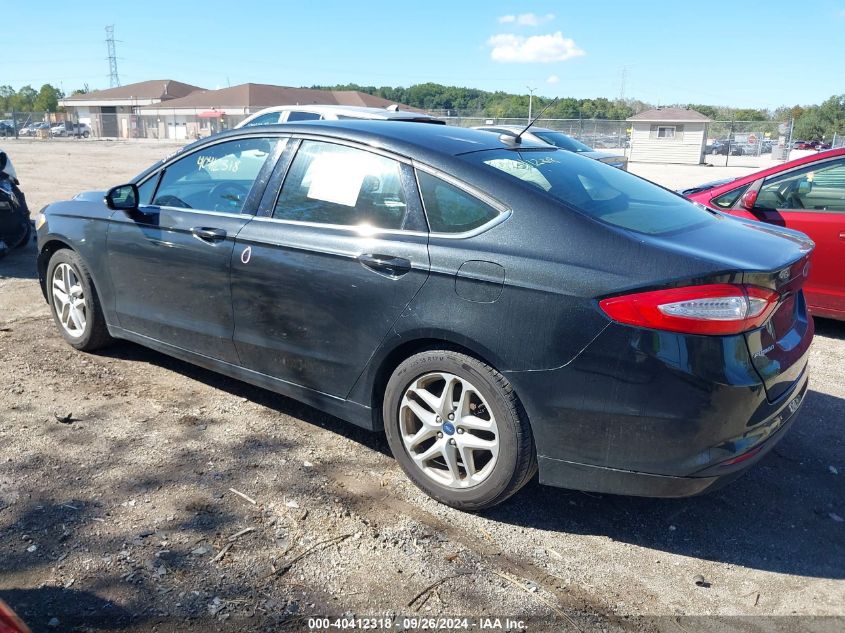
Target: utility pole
[[114, 80], [530, 100], [623, 78]]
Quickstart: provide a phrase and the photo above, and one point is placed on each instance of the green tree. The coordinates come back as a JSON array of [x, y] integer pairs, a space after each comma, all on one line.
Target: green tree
[[47, 99], [23, 100], [6, 94]]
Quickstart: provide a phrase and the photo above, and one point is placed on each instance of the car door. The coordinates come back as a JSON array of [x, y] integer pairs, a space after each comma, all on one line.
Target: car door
[[169, 261], [319, 278], [811, 199]]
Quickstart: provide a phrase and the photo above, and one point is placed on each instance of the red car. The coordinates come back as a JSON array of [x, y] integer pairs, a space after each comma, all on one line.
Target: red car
[[806, 194]]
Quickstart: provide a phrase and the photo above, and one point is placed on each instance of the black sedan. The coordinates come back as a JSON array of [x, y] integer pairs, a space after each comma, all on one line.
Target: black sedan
[[491, 305]]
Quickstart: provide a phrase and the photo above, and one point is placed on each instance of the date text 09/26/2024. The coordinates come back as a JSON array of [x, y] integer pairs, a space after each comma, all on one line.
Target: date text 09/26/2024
[[417, 624]]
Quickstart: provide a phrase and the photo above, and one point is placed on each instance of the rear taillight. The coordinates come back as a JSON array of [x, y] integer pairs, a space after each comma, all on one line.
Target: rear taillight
[[707, 309]]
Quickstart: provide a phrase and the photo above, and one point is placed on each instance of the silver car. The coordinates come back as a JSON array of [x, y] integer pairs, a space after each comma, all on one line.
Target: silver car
[[294, 113], [561, 140]]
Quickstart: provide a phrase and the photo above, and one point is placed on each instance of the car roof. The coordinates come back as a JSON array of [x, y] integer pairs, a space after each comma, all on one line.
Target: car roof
[[519, 128], [402, 137], [363, 112], [798, 162]]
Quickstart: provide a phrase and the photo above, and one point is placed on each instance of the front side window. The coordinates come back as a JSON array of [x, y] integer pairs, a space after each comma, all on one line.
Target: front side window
[[335, 184], [145, 191], [215, 178], [819, 187], [606, 193], [727, 200], [450, 209]]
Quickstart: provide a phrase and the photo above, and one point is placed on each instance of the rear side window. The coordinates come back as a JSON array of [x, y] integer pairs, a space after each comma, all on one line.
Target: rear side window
[[334, 184], [449, 209], [606, 193], [303, 116], [271, 118]]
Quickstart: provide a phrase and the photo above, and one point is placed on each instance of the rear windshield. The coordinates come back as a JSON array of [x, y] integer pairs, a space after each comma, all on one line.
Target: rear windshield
[[598, 190], [561, 140]]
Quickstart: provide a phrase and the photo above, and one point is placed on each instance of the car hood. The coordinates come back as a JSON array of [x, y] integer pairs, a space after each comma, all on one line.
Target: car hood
[[605, 157], [90, 196], [707, 186]]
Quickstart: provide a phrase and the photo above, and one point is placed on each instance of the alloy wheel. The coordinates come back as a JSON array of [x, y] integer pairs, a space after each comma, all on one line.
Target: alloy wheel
[[449, 430], [69, 300]]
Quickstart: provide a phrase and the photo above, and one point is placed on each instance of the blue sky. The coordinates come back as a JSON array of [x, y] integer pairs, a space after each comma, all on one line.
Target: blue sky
[[723, 53]]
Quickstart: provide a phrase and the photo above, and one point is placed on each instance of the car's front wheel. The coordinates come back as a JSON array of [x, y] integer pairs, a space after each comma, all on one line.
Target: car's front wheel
[[457, 429], [74, 302]]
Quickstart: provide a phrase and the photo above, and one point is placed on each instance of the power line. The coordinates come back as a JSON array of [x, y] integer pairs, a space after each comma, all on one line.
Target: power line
[[114, 80]]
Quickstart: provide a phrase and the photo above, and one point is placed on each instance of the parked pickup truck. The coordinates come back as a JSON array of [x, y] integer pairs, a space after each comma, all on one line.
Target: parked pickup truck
[[66, 128]]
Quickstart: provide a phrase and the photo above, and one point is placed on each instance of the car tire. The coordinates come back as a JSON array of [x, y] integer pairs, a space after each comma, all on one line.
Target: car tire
[[475, 460], [85, 135], [74, 302]]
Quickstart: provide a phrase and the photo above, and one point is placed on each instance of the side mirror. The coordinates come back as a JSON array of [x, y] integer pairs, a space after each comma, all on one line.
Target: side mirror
[[804, 187], [3, 160], [748, 200], [122, 198]]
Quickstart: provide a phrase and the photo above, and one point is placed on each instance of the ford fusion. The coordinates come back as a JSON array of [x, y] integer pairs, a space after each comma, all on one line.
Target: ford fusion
[[494, 306]]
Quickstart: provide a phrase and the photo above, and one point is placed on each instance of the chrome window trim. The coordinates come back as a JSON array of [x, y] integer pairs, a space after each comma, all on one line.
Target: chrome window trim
[[375, 231], [243, 214]]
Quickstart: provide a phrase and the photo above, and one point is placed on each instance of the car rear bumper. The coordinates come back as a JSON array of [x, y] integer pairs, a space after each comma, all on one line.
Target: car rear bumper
[[654, 414], [564, 474]]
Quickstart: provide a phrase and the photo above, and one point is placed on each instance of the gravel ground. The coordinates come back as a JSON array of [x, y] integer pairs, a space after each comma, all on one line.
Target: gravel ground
[[141, 493]]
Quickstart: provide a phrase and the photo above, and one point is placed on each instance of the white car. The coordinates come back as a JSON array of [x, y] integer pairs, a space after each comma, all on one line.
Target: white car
[[292, 113], [67, 128]]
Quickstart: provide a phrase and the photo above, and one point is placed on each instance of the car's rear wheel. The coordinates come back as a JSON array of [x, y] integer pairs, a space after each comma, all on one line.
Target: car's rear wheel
[[457, 429], [74, 302]]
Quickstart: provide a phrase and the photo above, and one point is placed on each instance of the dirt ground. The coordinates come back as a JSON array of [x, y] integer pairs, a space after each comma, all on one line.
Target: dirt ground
[[141, 493]]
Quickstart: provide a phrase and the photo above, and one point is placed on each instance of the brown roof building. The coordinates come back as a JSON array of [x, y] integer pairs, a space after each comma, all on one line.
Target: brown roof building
[[248, 98], [137, 94]]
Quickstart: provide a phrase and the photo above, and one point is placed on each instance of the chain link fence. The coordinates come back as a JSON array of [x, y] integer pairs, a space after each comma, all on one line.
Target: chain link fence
[[724, 138]]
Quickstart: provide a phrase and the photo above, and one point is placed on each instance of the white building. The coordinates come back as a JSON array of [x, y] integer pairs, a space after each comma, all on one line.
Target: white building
[[114, 112], [668, 135]]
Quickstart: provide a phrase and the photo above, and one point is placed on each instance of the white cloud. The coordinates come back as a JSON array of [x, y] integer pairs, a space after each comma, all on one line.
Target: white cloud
[[526, 19], [554, 47], [552, 79]]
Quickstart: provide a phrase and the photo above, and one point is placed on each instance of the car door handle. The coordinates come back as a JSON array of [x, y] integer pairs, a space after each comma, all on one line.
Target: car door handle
[[207, 234], [842, 235], [386, 264]]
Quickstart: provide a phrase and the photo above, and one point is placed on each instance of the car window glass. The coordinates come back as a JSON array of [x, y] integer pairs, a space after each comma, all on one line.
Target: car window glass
[[727, 200], [270, 118], [145, 190], [449, 209], [303, 116], [563, 141], [215, 178], [334, 184], [606, 193], [817, 187]]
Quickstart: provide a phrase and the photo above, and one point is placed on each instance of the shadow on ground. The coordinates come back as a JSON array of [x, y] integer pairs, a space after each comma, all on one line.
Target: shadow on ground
[[778, 517], [19, 263]]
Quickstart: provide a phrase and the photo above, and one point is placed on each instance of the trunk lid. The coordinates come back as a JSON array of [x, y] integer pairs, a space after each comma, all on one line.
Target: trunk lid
[[770, 257], [779, 348]]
